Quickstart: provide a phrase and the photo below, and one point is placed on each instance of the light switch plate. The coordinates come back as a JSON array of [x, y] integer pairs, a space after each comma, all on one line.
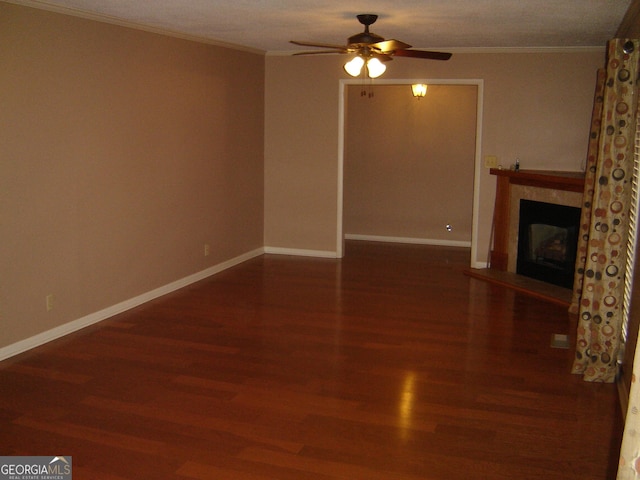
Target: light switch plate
[[490, 161]]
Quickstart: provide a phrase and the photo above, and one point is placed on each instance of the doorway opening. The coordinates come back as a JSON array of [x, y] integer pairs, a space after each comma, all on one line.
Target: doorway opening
[[378, 125]]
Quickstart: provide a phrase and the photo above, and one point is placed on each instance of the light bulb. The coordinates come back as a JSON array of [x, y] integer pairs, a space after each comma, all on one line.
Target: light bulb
[[354, 66], [419, 89]]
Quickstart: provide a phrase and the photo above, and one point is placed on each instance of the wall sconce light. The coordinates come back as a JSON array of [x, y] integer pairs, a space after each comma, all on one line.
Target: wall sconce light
[[375, 67], [419, 90]]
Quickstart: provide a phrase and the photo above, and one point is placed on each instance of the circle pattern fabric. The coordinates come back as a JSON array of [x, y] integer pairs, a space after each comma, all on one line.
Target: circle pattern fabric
[[601, 255]]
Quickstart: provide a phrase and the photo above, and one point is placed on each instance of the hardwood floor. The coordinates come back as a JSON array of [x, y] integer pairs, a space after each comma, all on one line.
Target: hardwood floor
[[388, 364]]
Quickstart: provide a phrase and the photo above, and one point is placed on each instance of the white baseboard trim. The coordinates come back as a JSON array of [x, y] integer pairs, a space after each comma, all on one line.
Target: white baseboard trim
[[418, 241], [75, 325], [300, 252], [480, 265]]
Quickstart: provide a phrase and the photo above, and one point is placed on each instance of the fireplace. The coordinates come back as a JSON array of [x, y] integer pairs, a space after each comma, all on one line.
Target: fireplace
[[547, 242], [554, 187]]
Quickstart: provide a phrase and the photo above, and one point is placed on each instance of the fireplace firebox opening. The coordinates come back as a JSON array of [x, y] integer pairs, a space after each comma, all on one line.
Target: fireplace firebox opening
[[547, 242]]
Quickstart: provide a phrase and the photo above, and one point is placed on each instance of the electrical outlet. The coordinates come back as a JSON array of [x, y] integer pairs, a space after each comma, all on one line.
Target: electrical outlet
[[207, 250], [490, 161], [49, 302]]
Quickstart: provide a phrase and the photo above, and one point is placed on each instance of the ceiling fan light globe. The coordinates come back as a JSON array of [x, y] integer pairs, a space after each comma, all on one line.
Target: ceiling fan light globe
[[354, 66], [375, 67]]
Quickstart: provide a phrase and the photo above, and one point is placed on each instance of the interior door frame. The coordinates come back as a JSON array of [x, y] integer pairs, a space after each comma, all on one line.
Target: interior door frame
[[479, 83]]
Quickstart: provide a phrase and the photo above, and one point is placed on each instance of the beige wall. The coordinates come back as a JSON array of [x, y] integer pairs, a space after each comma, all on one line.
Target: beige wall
[[409, 163], [536, 106], [301, 148], [123, 153]]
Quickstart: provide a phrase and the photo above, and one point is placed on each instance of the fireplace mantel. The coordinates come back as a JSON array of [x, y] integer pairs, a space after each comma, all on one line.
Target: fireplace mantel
[[570, 181], [506, 179]]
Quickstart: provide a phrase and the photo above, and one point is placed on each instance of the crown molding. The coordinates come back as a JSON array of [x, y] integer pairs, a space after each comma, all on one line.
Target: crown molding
[[484, 50]]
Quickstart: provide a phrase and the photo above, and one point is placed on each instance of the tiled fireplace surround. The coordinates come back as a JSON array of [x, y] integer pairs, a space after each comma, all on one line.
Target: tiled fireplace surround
[[561, 188]]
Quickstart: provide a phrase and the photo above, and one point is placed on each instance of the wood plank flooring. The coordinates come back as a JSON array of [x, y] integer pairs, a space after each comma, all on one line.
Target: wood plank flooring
[[387, 364]]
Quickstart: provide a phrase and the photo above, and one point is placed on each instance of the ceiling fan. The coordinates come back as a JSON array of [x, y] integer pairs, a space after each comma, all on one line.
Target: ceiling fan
[[370, 49]]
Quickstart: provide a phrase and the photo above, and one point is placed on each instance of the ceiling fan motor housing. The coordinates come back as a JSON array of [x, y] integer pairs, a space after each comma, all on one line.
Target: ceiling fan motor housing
[[365, 38]]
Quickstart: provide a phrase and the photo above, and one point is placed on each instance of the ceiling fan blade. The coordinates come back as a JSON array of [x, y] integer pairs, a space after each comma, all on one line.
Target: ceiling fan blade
[[320, 45], [383, 57], [388, 46], [316, 52], [423, 54]]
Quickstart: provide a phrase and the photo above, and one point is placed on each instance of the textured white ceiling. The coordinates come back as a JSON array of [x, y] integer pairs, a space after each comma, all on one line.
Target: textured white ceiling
[[268, 25]]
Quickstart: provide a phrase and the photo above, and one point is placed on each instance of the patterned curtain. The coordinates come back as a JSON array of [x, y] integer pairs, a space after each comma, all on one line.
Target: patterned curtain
[[589, 184], [604, 233]]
